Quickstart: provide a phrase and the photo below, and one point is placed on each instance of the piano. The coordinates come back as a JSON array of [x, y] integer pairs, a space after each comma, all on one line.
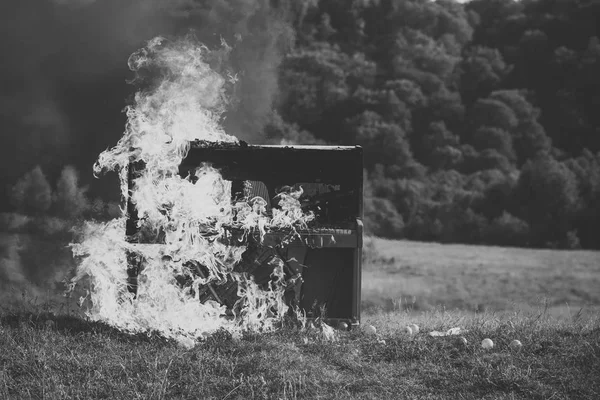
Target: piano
[[327, 254]]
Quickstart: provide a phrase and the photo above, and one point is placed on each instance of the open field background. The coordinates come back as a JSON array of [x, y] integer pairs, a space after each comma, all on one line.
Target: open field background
[[397, 275], [424, 276], [50, 351]]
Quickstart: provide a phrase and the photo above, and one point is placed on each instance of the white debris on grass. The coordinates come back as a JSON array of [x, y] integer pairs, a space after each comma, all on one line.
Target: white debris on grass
[[449, 332]]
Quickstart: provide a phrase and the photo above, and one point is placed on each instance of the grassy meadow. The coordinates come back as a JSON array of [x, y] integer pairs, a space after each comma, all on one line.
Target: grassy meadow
[[545, 299], [426, 276]]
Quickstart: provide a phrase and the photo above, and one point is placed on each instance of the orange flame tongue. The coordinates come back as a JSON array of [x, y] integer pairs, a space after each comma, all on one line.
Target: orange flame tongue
[[184, 105]]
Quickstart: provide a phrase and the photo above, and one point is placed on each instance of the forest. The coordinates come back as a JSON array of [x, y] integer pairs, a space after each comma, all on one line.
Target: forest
[[480, 122]]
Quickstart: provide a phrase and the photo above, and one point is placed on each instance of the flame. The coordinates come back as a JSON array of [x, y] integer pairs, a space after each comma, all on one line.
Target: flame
[[195, 212]]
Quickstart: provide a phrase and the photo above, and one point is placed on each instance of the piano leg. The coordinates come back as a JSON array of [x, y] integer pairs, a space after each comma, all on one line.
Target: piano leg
[[296, 256]]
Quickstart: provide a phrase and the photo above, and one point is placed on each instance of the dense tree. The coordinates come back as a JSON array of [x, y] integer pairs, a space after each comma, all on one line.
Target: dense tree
[[32, 194], [441, 147], [507, 230], [548, 200], [384, 219], [479, 121], [69, 198], [492, 113], [495, 139], [552, 48], [482, 70], [528, 135], [469, 115], [382, 142], [587, 170]]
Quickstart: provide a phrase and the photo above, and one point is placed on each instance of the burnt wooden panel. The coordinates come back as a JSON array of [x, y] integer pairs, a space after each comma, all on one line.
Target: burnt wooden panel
[[279, 165], [332, 277]]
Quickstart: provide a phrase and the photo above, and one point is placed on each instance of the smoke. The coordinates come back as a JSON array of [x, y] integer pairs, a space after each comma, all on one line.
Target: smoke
[[31, 271], [33, 241], [63, 75], [73, 2], [10, 262], [63, 86], [260, 37]]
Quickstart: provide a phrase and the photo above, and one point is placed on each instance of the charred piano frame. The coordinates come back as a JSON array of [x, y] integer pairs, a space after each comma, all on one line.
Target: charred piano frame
[[327, 256]]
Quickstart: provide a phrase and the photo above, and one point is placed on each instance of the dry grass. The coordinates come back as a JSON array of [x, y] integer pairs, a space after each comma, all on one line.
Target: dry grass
[[50, 357], [60, 355], [426, 276]]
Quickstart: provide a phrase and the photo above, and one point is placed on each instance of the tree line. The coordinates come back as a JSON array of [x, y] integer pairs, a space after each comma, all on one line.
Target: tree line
[[33, 195], [479, 122]]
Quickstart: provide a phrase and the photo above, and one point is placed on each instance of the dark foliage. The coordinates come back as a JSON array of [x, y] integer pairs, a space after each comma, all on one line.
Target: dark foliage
[[479, 121]]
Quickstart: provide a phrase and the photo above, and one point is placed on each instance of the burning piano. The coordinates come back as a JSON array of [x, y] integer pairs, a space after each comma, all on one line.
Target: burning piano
[[321, 261]]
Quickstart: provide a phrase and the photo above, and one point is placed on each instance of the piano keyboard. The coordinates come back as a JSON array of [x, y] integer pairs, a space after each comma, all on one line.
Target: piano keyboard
[[314, 238], [318, 238]]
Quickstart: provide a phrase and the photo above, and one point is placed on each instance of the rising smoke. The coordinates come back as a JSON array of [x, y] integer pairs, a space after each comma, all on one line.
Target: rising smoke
[[64, 72], [64, 83]]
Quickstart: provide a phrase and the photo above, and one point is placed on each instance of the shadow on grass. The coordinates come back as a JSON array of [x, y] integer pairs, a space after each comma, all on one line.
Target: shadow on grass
[[75, 325]]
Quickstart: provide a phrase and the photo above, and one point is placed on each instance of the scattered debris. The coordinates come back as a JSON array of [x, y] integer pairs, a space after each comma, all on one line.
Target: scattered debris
[[370, 330], [449, 332], [415, 328], [487, 343], [516, 345]]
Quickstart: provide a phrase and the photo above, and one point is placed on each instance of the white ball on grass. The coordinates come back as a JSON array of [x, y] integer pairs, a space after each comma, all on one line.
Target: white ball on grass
[[487, 343], [408, 330], [415, 328], [370, 330], [343, 326], [516, 345], [462, 341]]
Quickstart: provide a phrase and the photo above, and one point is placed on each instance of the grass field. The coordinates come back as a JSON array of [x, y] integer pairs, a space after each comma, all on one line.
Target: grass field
[[426, 276], [518, 294], [68, 358]]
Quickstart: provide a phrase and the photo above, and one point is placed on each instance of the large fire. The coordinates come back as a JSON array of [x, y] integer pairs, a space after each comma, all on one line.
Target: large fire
[[195, 213]]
